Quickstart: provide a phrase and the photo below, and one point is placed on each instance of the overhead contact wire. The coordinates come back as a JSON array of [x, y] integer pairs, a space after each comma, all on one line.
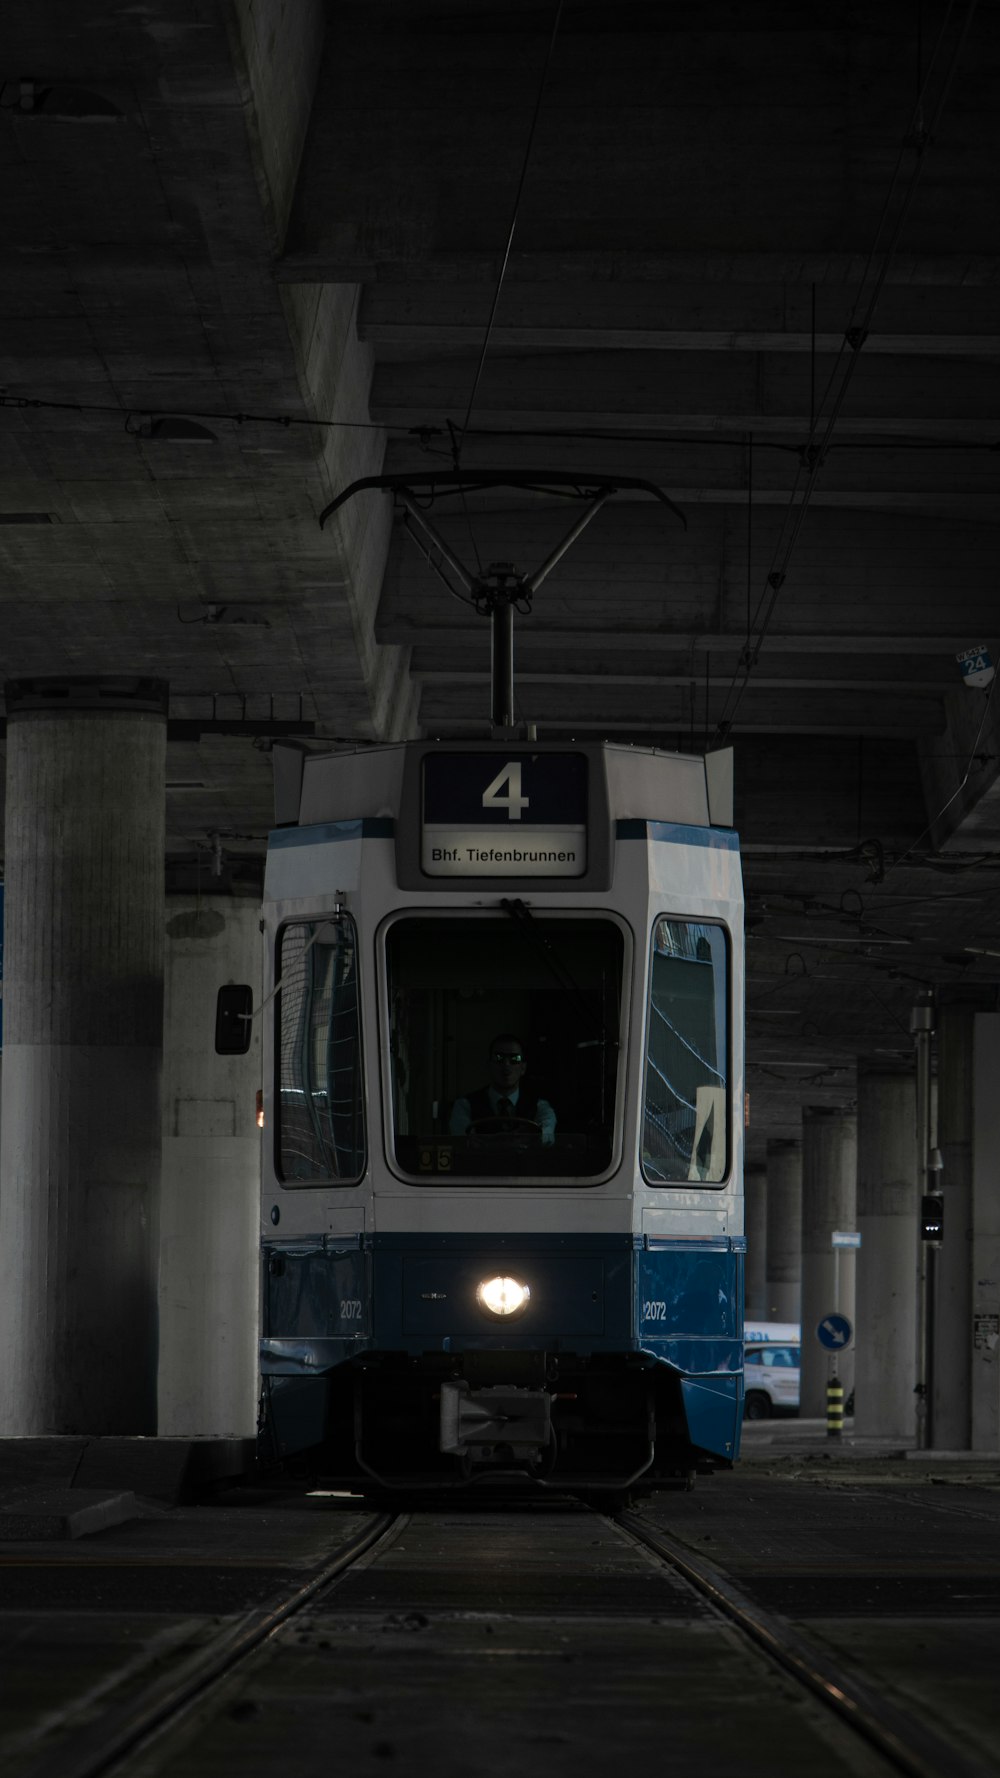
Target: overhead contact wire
[[510, 233], [814, 454], [421, 434]]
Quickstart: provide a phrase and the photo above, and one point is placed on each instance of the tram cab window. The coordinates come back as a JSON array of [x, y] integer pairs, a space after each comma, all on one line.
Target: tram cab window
[[685, 1134], [320, 1122], [504, 1043]]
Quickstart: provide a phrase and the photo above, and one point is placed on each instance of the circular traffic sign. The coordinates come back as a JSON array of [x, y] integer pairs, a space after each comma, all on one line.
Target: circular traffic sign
[[835, 1332]]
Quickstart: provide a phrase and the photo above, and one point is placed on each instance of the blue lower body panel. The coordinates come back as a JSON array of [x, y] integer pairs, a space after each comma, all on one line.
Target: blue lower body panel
[[690, 1310], [627, 1355]]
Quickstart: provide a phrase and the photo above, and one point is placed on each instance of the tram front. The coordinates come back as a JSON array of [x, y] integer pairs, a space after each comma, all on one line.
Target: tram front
[[526, 1261]]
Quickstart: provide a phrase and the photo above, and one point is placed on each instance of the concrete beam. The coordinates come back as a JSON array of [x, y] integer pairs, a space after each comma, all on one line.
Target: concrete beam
[[591, 662], [149, 287], [636, 572], [695, 644], [672, 709], [839, 272], [748, 391], [278, 49], [566, 315], [653, 137]]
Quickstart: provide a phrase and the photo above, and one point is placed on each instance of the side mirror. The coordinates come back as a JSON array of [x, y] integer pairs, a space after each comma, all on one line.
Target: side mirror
[[233, 1014]]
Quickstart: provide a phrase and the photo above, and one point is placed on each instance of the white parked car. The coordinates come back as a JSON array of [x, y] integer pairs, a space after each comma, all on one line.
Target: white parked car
[[771, 1357]]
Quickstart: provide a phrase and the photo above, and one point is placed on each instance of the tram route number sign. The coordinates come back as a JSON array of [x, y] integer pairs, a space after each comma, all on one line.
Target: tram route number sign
[[504, 814]]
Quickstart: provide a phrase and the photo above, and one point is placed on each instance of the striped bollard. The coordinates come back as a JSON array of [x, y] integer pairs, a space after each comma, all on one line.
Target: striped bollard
[[834, 1408]]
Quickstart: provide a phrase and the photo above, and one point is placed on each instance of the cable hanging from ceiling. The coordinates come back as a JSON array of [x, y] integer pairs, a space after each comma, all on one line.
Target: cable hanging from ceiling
[[510, 235], [130, 416], [421, 434], [918, 138]]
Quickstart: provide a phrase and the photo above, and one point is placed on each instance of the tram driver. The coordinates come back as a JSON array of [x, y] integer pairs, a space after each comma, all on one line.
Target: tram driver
[[504, 1105]]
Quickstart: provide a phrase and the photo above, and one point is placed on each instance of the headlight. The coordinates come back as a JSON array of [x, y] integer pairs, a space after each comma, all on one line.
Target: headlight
[[502, 1297]]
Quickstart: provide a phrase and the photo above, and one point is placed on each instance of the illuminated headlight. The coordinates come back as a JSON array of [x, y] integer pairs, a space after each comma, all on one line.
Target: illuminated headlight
[[502, 1297]]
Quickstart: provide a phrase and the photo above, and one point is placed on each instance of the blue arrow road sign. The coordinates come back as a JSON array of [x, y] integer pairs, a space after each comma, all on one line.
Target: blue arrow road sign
[[835, 1332]]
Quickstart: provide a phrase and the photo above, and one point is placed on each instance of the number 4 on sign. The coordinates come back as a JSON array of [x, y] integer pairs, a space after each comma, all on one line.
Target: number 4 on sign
[[513, 802]]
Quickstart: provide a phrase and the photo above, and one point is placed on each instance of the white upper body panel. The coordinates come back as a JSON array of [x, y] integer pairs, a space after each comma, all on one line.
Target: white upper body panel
[[343, 855]]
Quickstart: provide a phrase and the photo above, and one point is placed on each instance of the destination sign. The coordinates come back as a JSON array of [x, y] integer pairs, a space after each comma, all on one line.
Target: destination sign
[[516, 814]]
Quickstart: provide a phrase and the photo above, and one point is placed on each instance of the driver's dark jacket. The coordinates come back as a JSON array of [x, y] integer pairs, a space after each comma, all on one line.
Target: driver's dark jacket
[[480, 1105], [475, 1106]]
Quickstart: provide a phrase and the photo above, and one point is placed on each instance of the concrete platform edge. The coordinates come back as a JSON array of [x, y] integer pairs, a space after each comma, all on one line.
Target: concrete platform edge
[[166, 1470]]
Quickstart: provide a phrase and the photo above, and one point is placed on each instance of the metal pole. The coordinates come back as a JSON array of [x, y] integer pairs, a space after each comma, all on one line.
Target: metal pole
[[448, 554], [502, 634], [922, 1028], [534, 581], [929, 1293]]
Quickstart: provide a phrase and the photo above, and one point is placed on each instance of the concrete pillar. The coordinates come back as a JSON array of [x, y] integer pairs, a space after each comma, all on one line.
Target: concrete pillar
[[829, 1197], [83, 1022], [885, 1362], [784, 1230], [986, 1236], [210, 1208], [755, 1277], [952, 1336]]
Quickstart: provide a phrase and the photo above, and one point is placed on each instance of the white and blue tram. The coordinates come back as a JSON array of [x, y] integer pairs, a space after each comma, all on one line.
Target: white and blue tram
[[502, 1213]]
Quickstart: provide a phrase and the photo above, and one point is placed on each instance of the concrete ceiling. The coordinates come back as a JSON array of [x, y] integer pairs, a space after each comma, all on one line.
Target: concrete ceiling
[[288, 223]]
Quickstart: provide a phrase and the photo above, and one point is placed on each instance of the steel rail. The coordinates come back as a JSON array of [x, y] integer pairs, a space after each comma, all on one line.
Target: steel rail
[[912, 1747], [99, 1746]]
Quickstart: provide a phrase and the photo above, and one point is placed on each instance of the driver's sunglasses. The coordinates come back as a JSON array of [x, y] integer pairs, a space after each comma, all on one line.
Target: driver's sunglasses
[[508, 1056]]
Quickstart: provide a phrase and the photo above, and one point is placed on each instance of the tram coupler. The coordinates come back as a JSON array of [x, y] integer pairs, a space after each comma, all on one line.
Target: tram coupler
[[475, 1423]]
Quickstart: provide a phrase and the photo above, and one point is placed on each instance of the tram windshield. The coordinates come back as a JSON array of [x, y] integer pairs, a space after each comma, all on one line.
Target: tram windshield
[[685, 1132], [504, 1036]]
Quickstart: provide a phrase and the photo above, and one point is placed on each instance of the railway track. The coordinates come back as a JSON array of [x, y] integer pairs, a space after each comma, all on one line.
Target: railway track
[[438, 1573], [910, 1747], [103, 1745]]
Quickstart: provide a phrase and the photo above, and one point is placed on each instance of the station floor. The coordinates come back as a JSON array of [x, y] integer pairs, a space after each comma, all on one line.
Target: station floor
[[500, 1636]]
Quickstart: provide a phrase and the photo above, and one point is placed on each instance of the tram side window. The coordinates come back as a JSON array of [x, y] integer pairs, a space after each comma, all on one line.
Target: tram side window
[[320, 1121], [685, 1134]]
